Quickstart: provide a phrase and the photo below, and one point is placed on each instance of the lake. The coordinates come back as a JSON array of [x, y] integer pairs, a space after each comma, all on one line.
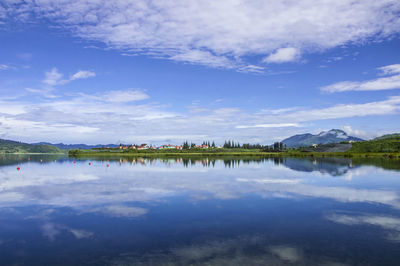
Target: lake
[[199, 211]]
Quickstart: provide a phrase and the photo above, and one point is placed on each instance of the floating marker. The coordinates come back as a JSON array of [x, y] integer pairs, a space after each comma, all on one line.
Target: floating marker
[[18, 168], [90, 163], [74, 162], [108, 165]]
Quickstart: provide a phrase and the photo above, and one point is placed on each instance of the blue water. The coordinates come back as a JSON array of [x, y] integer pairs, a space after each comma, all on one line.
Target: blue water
[[269, 211]]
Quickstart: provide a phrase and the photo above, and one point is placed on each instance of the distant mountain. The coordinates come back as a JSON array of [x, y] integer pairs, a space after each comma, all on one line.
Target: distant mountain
[[10, 146], [76, 146], [325, 137]]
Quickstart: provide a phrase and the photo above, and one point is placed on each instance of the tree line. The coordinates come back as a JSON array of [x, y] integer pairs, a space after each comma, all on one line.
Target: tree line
[[231, 144]]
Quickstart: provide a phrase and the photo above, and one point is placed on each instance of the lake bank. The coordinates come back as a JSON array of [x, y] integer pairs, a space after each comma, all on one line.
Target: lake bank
[[156, 154]]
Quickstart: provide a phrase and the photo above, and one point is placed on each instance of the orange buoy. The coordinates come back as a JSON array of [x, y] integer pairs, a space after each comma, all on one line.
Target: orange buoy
[[108, 165], [18, 168]]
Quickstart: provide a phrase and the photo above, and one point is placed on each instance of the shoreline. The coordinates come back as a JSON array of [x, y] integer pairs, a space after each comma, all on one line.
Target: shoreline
[[32, 153], [237, 154]]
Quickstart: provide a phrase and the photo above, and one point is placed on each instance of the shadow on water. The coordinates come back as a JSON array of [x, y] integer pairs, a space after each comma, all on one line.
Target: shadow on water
[[15, 159]]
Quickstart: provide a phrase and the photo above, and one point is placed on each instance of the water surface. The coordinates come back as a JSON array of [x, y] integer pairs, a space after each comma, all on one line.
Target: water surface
[[137, 211]]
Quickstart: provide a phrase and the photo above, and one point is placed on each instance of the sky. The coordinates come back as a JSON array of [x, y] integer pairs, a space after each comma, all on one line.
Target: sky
[[155, 72]]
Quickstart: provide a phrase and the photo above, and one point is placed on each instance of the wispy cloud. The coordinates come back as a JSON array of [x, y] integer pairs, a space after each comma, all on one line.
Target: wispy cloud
[[385, 107], [6, 67], [218, 34], [118, 96], [125, 96], [382, 83], [271, 125], [107, 117], [54, 78]]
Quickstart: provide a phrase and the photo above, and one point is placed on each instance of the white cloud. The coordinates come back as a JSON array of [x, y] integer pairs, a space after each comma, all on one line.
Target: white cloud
[[283, 55], [390, 69], [271, 125], [383, 83], [218, 33], [82, 74], [355, 132], [293, 118], [53, 78], [117, 116]]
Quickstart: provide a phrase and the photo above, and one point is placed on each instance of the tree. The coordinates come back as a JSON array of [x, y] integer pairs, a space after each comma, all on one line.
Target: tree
[[276, 146], [185, 145]]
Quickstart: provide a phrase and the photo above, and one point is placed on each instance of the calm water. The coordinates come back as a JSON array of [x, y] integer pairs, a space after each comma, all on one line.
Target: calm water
[[199, 211]]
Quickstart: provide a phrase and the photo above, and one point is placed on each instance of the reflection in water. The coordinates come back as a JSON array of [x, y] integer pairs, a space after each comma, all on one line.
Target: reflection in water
[[225, 211], [334, 166]]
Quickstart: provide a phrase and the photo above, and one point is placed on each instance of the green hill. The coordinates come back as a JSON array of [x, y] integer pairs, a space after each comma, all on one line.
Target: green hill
[[386, 143], [9, 146], [388, 136]]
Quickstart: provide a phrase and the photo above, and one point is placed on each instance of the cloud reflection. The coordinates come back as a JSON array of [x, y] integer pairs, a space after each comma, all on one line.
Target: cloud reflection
[[107, 190], [388, 223]]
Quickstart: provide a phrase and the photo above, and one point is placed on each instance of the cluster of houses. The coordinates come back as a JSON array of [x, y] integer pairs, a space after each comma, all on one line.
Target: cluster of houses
[[162, 147]]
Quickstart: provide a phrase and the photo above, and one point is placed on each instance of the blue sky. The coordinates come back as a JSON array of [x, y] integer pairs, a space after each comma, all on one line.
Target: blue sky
[[159, 71]]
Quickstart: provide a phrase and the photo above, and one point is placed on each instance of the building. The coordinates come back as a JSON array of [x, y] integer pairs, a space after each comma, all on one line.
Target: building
[[169, 146], [143, 147]]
